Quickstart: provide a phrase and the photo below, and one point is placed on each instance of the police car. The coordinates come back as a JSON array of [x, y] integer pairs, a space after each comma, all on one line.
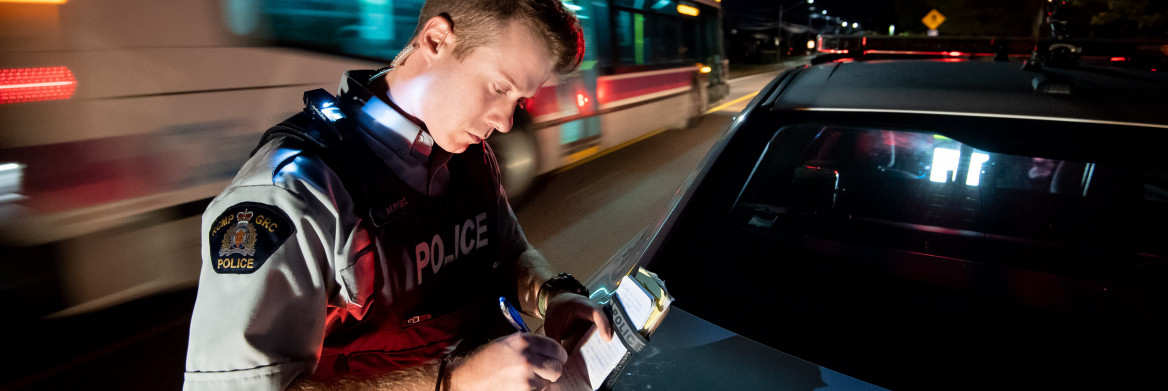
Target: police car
[[954, 222]]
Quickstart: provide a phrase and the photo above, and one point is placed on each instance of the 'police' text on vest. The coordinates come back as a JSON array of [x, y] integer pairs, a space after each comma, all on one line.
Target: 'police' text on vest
[[468, 236]]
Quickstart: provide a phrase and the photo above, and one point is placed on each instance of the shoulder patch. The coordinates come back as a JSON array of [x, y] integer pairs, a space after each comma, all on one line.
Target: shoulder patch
[[245, 235]]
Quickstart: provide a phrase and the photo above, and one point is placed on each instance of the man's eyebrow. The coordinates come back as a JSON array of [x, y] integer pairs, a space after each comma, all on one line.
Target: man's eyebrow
[[510, 80]]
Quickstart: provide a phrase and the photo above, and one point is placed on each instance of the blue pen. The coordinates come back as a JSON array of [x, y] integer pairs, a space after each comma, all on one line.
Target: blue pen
[[512, 315]]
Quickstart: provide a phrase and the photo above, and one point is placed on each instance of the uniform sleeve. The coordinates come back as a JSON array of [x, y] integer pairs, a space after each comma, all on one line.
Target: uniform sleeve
[[514, 241], [267, 288]]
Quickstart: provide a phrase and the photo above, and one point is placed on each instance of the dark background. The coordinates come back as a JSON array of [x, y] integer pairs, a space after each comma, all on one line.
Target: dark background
[[750, 26]]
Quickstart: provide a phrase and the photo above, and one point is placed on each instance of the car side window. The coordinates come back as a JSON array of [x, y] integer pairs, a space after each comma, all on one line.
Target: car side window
[[924, 192]]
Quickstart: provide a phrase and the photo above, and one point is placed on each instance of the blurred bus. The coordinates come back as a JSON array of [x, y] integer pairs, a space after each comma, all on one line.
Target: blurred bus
[[121, 119]]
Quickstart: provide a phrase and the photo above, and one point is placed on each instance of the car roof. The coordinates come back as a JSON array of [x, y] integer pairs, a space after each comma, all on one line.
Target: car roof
[[980, 88]]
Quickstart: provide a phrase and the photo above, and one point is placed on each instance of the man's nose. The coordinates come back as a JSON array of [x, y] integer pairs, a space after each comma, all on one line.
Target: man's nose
[[501, 119]]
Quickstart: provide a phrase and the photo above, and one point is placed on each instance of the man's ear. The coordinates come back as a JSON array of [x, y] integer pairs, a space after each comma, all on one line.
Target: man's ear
[[436, 37]]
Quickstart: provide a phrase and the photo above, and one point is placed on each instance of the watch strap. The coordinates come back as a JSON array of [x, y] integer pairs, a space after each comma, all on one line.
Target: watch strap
[[562, 282]]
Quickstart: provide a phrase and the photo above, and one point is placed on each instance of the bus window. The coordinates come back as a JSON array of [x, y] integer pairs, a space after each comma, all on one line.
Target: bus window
[[362, 28], [625, 47], [654, 33]]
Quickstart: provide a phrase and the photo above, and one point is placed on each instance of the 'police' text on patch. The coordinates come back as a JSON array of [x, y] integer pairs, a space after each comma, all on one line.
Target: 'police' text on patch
[[245, 235]]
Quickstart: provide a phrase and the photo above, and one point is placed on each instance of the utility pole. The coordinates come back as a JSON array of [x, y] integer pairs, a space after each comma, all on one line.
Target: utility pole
[[780, 32]]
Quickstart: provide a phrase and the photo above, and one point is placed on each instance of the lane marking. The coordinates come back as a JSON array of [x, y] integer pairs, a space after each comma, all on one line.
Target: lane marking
[[597, 155], [748, 77], [728, 104], [575, 157], [608, 151]]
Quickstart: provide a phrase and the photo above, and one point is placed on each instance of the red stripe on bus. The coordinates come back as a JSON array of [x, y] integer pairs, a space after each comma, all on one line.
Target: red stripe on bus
[[612, 90]]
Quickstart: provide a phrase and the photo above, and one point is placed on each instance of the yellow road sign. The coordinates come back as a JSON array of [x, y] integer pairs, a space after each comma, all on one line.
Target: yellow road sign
[[933, 19]]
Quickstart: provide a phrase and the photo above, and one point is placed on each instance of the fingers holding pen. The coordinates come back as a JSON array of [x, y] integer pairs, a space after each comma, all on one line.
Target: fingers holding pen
[[570, 316], [545, 356], [515, 362]]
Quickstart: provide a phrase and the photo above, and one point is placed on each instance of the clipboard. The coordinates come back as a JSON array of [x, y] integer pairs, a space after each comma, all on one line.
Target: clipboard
[[634, 310]]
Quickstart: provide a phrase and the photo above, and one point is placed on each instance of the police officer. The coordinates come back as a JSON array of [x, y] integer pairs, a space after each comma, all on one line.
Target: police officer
[[364, 241]]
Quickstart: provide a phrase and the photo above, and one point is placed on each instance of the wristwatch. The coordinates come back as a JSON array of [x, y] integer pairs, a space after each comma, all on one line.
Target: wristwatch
[[561, 283]]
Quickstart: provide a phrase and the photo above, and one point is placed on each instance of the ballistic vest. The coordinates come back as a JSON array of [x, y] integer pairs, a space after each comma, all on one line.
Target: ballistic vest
[[437, 274]]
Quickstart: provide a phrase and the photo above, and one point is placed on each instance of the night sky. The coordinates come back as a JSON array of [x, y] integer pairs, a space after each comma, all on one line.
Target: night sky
[[748, 14]]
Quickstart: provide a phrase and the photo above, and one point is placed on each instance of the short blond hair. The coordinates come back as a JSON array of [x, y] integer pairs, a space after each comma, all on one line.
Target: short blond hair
[[479, 22]]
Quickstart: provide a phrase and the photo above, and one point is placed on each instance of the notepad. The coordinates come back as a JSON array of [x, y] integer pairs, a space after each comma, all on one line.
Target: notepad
[[643, 301]]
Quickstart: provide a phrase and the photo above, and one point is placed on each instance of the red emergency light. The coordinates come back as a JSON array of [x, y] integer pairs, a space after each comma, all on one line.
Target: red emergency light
[[18, 85]]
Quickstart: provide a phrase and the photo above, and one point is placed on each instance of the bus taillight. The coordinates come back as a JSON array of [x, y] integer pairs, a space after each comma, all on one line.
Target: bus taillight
[[19, 85]]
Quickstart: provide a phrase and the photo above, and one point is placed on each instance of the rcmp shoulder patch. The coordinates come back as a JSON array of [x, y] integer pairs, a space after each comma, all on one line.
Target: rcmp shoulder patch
[[245, 235]]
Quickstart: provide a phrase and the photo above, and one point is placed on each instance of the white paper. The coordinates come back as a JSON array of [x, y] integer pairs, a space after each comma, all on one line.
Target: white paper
[[637, 302], [587, 368], [595, 359]]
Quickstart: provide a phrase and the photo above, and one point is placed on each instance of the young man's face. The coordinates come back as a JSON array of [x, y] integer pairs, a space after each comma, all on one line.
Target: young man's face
[[466, 101]]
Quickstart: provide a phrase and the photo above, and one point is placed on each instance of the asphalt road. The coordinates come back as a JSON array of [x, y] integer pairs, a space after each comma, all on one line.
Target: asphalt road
[[578, 219], [581, 217]]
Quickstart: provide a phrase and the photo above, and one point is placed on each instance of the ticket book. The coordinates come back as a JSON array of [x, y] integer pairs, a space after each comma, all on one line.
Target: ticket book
[[636, 308]]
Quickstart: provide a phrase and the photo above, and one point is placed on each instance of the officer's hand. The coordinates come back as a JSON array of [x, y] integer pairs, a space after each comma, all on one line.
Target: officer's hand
[[569, 316], [520, 361]]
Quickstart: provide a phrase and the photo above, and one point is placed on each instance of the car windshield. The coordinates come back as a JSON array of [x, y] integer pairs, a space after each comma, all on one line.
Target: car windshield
[[962, 251], [922, 191]]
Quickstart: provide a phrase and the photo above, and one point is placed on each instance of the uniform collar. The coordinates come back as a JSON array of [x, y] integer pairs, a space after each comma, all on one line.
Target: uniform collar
[[406, 147], [384, 120]]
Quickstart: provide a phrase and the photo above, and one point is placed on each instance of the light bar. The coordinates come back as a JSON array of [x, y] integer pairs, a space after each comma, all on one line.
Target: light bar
[[687, 10], [950, 54], [20, 85], [35, 1]]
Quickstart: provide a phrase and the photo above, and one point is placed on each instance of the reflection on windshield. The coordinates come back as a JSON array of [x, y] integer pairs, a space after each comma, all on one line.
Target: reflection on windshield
[[849, 182]]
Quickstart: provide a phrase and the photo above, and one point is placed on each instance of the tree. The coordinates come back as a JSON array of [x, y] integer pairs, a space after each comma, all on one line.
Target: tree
[[1123, 18], [971, 17]]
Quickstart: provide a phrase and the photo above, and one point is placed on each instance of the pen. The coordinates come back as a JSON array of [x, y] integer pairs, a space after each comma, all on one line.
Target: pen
[[512, 315]]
